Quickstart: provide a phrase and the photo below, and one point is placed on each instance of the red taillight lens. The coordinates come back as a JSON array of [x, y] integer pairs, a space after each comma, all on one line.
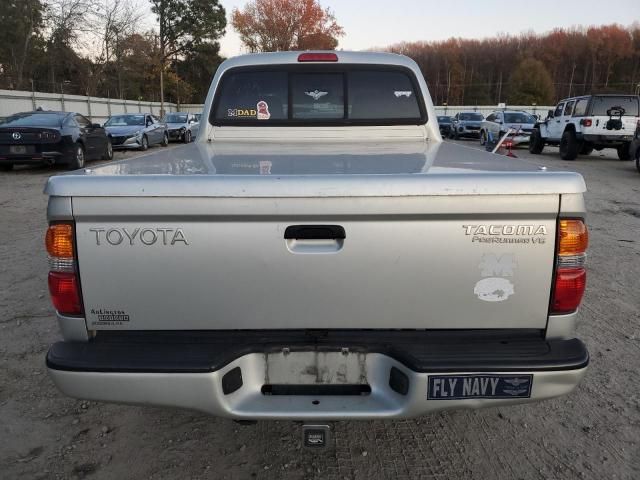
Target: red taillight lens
[[65, 293], [569, 288], [317, 57], [586, 122]]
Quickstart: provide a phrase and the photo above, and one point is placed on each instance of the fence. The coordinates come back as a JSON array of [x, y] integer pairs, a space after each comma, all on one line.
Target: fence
[[99, 109], [95, 108]]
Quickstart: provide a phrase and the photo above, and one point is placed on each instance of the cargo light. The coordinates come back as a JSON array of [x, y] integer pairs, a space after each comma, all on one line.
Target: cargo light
[[64, 285], [570, 276], [317, 57]]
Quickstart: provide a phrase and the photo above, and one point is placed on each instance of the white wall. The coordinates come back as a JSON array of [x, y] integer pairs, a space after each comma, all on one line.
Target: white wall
[[95, 108]]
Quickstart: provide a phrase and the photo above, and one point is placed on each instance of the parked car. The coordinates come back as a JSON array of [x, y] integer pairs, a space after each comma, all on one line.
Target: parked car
[[182, 126], [579, 125], [466, 125], [444, 123], [136, 130], [634, 147], [499, 122], [196, 128], [47, 137], [325, 272]]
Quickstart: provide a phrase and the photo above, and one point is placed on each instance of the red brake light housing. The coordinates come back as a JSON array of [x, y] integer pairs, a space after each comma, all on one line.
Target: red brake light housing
[[586, 122], [570, 277], [317, 57], [64, 284]]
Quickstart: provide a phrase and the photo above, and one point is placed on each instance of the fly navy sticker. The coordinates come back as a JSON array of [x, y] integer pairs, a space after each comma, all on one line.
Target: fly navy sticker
[[464, 387]]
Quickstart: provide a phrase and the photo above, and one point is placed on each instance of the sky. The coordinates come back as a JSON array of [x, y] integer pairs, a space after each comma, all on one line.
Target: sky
[[380, 23]]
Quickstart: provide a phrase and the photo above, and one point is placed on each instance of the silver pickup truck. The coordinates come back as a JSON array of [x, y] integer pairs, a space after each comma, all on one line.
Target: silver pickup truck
[[317, 253]]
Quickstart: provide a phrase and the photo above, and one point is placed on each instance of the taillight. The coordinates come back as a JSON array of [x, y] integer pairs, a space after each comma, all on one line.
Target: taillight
[[64, 285], [570, 276], [586, 122], [65, 293], [317, 57]]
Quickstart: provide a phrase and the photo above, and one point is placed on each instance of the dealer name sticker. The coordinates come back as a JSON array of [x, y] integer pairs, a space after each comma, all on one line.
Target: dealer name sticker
[[463, 387]]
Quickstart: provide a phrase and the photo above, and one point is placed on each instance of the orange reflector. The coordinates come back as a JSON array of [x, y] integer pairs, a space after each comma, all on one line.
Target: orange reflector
[[573, 236], [59, 240]]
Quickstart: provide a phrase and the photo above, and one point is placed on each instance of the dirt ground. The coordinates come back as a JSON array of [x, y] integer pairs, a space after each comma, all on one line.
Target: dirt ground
[[592, 434]]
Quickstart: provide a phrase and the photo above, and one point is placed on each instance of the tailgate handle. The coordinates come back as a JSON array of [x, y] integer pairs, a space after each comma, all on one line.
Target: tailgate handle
[[315, 232]]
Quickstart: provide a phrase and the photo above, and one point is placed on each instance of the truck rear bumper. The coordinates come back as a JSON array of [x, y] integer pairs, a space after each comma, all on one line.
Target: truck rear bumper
[[319, 380]]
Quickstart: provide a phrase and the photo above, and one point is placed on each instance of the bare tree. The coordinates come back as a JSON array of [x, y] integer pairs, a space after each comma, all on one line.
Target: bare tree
[[69, 23], [115, 20]]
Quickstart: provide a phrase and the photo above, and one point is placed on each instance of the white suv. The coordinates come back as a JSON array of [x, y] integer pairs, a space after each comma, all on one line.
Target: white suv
[[581, 124], [501, 121]]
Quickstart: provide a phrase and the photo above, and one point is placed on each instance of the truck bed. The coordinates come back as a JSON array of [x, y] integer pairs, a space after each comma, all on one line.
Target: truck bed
[[198, 237]]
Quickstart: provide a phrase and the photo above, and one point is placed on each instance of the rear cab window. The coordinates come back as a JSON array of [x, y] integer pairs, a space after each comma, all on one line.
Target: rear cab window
[[290, 95]]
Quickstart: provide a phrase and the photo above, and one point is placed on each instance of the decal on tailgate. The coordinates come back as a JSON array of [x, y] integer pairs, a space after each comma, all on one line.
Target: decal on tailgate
[[462, 387]]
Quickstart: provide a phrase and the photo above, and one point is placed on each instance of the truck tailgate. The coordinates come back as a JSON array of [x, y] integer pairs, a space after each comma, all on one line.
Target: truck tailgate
[[437, 262]]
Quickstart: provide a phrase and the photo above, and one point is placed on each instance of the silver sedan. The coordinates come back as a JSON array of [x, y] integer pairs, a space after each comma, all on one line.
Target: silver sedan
[[136, 130]]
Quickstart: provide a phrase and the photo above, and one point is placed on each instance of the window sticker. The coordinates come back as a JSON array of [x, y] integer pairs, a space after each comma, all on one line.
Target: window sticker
[[265, 167], [402, 93], [263, 110], [242, 112], [316, 94]]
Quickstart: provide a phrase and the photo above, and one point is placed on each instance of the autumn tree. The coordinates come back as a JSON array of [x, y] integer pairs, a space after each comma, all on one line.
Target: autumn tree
[[530, 83], [281, 25], [115, 21]]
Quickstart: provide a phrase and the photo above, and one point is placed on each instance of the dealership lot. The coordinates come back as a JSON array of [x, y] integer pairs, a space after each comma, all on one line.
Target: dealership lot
[[593, 433]]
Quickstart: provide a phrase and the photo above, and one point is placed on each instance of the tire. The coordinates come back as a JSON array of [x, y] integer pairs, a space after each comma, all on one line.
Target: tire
[[586, 149], [536, 142], [77, 161], [165, 140], [483, 137], [108, 152], [623, 152], [568, 146], [6, 167], [145, 143], [187, 136], [638, 159]]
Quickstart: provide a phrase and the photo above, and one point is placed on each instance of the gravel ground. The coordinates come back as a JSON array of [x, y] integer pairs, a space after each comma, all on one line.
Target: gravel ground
[[593, 433]]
